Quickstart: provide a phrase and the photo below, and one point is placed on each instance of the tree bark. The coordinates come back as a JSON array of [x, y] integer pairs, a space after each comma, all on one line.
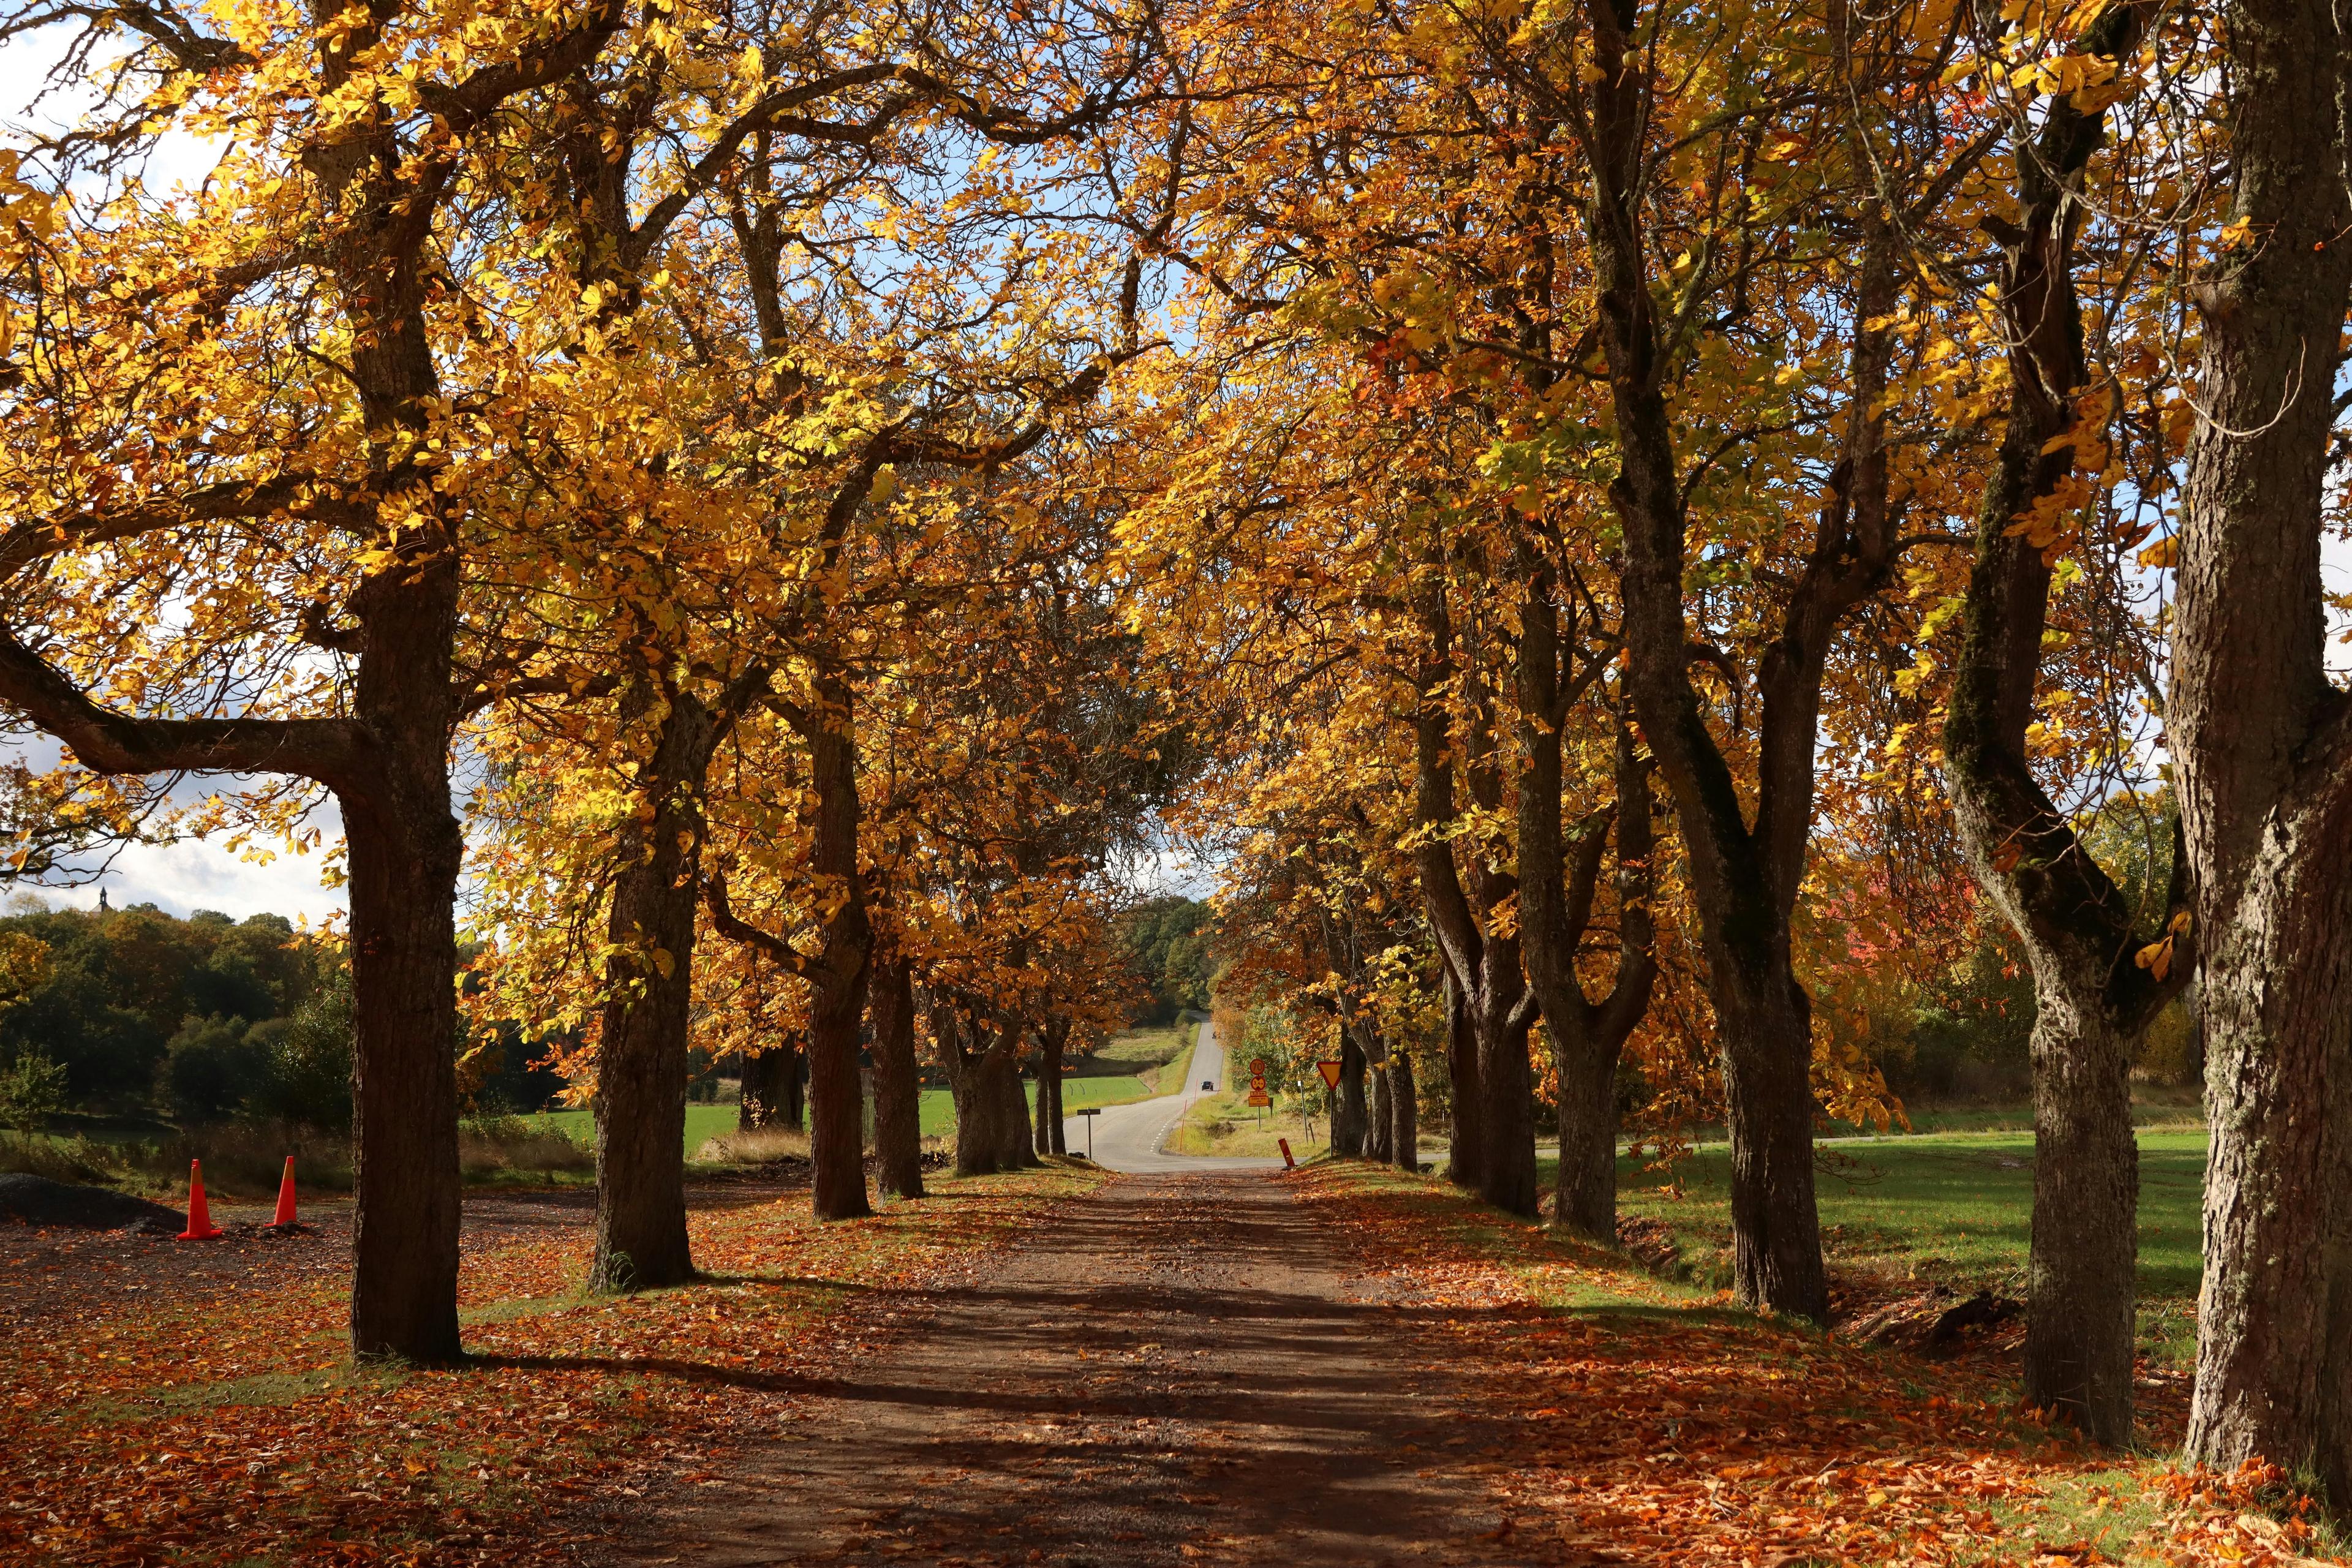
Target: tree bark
[[2092, 999], [1493, 1121], [2262, 747], [1349, 1119], [1744, 880], [837, 979], [991, 1118], [1556, 897], [1049, 1069], [771, 1088], [1380, 1126], [641, 1057], [897, 1081], [406, 852], [1056, 1123], [1461, 1065], [1404, 1113], [1017, 1153]]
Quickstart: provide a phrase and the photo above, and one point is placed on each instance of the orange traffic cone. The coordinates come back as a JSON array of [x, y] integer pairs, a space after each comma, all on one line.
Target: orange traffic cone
[[285, 1215], [200, 1216]]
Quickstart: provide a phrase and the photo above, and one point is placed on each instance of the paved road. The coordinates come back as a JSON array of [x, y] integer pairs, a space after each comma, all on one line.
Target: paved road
[[1127, 1137]]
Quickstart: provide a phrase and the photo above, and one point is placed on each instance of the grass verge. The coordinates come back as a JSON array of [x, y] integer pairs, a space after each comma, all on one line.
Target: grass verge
[[1952, 1209], [163, 1414], [1223, 1125], [1654, 1422]]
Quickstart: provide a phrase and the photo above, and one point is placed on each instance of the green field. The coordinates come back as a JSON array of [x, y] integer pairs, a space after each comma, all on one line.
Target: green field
[[1128, 1067], [1224, 1125], [1952, 1208]]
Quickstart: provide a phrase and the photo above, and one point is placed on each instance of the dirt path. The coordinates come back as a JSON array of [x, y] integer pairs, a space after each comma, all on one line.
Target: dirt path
[[1179, 1373]]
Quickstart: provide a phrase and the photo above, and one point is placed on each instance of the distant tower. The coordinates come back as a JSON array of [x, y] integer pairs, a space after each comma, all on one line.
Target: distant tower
[[102, 900]]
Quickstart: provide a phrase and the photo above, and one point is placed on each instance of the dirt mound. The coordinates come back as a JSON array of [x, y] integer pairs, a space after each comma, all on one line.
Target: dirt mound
[[1652, 1242], [1935, 1320], [36, 1200]]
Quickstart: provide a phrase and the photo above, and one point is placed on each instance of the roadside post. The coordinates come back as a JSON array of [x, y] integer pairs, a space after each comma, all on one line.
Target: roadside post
[[1090, 1111]]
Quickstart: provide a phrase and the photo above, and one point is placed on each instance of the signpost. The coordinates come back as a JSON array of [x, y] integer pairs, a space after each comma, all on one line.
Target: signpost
[[1090, 1111], [1331, 1071]]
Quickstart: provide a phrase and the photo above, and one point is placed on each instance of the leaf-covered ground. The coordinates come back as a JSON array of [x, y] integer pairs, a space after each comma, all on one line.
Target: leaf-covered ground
[[167, 1403], [1662, 1426]]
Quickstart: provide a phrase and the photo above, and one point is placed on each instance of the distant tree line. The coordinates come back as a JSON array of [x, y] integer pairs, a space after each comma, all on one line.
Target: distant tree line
[[134, 1012], [1166, 943]]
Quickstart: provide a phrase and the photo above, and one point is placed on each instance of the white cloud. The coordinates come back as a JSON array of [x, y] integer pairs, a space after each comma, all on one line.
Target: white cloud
[[200, 874]]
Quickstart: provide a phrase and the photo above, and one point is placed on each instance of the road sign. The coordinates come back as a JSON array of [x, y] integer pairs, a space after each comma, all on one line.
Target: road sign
[[1257, 1066], [1089, 1110], [1331, 1071], [1259, 1098]]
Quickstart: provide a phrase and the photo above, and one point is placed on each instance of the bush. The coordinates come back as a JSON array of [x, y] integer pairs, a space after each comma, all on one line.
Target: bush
[[309, 1062], [493, 1146], [78, 1160], [210, 1069], [110, 1053], [32, 1089], [2171, 1052], [754, 1146], [244, 1158]]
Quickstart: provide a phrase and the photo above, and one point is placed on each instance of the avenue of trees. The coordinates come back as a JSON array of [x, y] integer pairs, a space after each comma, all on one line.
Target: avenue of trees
[[1643, 538]]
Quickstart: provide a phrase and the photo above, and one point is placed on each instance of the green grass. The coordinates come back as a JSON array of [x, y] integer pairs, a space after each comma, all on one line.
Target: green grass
[[1224, 1125], [1143, 1053], [1128, 1067], [1951, 1208]]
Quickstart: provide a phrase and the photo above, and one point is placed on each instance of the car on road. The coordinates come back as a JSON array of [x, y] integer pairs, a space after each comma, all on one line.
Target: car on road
[[1210, 1084]]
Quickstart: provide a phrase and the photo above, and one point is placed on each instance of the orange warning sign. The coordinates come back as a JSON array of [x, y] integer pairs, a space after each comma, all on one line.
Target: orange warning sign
[[1258, 1097], [1331, 1071]]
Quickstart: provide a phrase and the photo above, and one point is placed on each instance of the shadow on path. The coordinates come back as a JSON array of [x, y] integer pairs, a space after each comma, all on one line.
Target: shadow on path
[[1176, 1373]]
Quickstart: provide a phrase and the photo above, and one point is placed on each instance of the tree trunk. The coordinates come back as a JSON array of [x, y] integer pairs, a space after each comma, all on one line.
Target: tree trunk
[[1404, 1113], [1052, 1041], [406, 852], [1507, 1122], [1057, 1122], [837, 979], [989, 1120], [898, 1081], [641, 1239], [1584, 1188], [1380, 1127], [2263, 751], [2092, 1001], [1490, 1008], [1349, 1119], [771, 1088], [1557, 889], [1049, 1067], [2079, 1326], [1768, 1052], [1463, 1148], [1016, 1154]]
